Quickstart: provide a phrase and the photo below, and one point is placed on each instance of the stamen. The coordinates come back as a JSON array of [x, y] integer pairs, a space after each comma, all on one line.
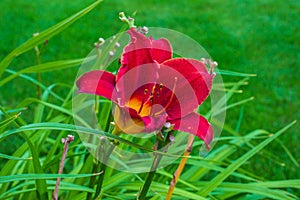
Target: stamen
[[143, 101], [142, 105], [171, 98], [160, 86]]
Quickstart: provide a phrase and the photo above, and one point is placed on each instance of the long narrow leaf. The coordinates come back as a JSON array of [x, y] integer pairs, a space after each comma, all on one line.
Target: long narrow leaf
[[22, 177], [45, 35], [235, 165], [45, 67]]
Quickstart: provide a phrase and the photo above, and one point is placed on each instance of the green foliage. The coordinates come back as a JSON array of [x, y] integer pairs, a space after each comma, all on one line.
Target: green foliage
[[29, 171]]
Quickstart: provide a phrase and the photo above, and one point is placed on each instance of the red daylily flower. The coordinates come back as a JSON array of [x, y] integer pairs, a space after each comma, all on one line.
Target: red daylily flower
[[152, 88]]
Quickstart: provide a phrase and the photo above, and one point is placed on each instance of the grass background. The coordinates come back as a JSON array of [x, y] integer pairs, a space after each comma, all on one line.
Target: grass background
[[260, 37]]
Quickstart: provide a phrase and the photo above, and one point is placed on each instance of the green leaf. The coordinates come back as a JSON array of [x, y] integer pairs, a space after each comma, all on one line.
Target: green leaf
[[45, 67], [34, 81], [73, 128], [45, 35], [40, 184], [9, 120], [235, 165], [22, 177], [13, 157], [30, 184], [231, 73], [254, 189]]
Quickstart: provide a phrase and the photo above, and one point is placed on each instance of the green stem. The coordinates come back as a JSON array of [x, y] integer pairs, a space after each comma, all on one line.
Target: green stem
[[92, 180], [158, 156], [149, 177], [102, 169], [38, 74], [103, 165]]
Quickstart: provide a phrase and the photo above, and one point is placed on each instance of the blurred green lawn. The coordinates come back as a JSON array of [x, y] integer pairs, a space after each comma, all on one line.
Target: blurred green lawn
[[261, 38]]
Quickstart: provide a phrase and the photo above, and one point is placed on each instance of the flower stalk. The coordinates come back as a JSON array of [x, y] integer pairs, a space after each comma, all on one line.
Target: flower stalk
[[158, 156], [180, 167], [128, 20], [66, 142], [105, 158]]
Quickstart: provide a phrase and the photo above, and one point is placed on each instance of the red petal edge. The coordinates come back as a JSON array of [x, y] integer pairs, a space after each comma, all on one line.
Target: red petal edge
[[142, 50], [97, 82], [204, 131], [195, 73]]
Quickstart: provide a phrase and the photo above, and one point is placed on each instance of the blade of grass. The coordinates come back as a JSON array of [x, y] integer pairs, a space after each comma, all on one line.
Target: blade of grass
[[13, 157], [72, 128], [22, 177], [235, 165], [238, 188], [218, 155], [232, 73], [40, 184], [34, 81], [45, 67], [64, 186], [9, 120], [44, 35], [290, 155]]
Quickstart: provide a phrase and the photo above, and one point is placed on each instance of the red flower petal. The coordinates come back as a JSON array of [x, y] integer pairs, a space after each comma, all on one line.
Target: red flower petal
[[97, 82], [154, 123], [190, 82], [134, 82], [142, 50], [161, 50], [128, 120], [197, 125], [195, 73]]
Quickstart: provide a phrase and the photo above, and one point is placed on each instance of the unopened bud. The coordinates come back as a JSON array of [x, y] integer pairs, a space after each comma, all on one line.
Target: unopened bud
[[122, 17], [214, 64], [144, 30], [167, 124], [70, 138], [35, 34], [96, 45], [171, 138], [111, 53], [101, 40]]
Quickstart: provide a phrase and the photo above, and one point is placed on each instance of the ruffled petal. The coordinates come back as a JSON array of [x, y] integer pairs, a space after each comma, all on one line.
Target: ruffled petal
[[161, 50], [197, 125], [97, 82], [190, 83], [136, 53], [142, 50], [154, 123], [128, 120], [195, 73], [137, 83]]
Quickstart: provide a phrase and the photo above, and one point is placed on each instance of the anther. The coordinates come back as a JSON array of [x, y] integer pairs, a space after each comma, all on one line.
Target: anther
[[145, 91], [160, 86]]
